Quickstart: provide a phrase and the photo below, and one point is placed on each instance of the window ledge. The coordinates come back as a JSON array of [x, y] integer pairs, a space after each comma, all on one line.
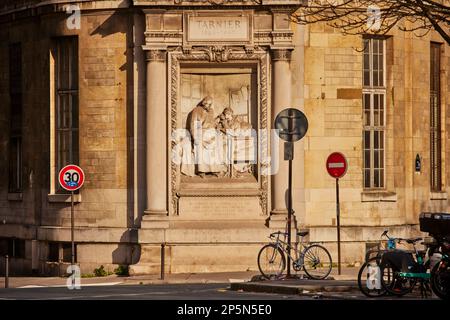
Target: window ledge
[[378, 196], [439, 195], [16, 196], [63, 198]]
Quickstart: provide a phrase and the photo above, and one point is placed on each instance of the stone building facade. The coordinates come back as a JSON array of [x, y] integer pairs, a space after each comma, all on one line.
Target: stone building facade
[[112, 87]]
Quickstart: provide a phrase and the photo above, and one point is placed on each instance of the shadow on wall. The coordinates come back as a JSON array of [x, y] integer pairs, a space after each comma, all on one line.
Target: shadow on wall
[[124, 22], [128, 251]]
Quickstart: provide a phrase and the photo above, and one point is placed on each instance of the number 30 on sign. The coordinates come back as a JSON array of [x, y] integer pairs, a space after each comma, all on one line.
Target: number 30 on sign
[[71, 177]]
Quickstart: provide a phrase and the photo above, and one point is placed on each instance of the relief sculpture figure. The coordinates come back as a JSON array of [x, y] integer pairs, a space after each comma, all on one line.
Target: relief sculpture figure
[[202, 127], [239, 142], [215, 146]]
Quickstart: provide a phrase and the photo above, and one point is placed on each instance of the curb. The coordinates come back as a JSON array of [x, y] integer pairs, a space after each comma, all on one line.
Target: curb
[[150, 282], [291, 289]]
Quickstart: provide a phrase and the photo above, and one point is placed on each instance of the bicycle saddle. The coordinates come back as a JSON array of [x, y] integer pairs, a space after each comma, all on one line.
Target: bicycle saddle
[[303, 233]]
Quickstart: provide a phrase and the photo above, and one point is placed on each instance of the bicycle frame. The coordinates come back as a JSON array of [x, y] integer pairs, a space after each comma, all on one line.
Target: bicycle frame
[[283, 245], [378, 251], [419, 263]]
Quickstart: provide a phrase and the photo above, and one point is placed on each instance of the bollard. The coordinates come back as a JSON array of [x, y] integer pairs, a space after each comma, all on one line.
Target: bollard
[[162, 260], [6, 271]]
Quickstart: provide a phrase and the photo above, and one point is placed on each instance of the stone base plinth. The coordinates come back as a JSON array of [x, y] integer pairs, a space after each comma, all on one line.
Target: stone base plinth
[[152, 220], [185, 258], [278, 220]]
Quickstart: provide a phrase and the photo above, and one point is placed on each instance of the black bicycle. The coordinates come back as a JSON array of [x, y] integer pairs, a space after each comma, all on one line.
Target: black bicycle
[[396, 272], [369, 275], [437, 224], [440, 274], [313, 258]]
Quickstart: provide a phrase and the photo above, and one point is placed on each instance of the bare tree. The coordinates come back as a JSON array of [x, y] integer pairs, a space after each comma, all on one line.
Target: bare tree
[[379, 16]]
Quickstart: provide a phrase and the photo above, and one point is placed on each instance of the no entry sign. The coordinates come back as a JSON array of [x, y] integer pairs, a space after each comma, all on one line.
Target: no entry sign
[[336, 165], [71, 177]]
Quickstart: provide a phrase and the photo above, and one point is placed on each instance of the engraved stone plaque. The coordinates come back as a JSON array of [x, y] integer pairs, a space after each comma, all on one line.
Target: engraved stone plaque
[[214, 28], [220, 208]]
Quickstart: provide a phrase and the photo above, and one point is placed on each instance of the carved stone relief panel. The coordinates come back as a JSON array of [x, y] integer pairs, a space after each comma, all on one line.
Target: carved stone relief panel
[[218, 66], [228, 97]]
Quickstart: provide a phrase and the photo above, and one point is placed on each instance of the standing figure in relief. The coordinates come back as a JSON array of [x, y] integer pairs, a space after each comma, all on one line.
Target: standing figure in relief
[[202, 127]]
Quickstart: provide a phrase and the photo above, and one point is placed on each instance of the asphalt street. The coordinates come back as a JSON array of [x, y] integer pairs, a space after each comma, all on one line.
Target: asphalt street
[[141, 292], [216, 291]]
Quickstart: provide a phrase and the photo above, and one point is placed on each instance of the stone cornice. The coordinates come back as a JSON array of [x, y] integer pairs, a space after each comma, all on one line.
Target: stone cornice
[[27, 8], [36, 7], [224, 3]]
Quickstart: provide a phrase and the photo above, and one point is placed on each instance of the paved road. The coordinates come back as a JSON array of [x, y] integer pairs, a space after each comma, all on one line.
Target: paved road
[[221, 303], [142, 292], [216, 291]]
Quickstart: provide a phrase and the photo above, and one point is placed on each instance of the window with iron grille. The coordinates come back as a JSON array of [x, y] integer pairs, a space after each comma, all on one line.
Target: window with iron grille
[[15, 141], [66, 103], [374, 113], [435, 117]]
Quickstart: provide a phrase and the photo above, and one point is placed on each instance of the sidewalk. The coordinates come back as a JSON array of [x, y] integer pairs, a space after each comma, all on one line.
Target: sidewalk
[[346, 282], [30, 282], [246, 281], [182, 278]]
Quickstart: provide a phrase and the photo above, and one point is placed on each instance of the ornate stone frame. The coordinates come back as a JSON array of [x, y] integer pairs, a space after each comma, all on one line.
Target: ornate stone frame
[[221, 54]]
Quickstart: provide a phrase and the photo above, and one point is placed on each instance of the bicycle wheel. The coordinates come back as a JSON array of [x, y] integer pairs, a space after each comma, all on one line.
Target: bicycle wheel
[[271, 261], [317, 262], [393, 283], [440, 280], [369, 279]]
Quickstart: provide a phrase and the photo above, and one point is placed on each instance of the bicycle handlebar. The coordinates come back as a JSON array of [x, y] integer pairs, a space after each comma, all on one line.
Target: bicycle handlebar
[[399, 240]]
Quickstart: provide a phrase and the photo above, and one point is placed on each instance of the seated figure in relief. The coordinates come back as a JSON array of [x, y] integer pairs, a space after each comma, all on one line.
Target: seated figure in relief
[[239, 143]]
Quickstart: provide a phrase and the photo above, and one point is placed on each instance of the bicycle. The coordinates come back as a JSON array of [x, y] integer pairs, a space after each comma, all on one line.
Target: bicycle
[[369, 281], [438, 226], [314, 259], [401, 270], [440, 274], [393, 271]]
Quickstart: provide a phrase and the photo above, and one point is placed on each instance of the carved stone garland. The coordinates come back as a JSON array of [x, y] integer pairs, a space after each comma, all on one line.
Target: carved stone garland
[[220, 54]]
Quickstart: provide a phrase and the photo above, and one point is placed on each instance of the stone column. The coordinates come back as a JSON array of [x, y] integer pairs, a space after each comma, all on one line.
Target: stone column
[[139, 121], [281, 100], [156, 136]]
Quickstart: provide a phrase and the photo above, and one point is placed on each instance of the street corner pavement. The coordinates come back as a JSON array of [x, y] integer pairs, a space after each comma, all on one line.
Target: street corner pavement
[[249, 281], [299, 284], [192, 278], [39, 282], [147, 279]]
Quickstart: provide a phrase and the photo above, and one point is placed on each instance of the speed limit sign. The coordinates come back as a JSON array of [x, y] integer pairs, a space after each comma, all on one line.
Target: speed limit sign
[[71, 177]]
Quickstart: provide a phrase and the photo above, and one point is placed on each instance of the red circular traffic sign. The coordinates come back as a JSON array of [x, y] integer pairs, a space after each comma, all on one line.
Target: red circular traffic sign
[[71, 177], [336, 165]]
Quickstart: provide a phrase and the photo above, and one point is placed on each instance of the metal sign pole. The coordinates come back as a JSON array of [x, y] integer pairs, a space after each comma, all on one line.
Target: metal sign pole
[[289, 212], [338, 218], [292, 125], [7, 271], [72, 237]]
